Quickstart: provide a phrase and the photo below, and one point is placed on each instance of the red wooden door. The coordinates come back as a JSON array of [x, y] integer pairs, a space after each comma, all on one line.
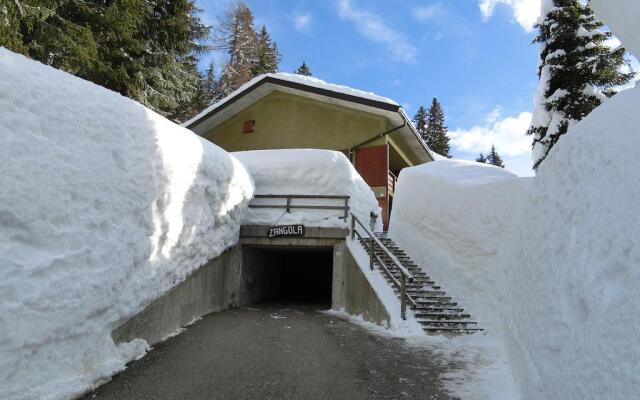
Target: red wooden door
[[373, 164]]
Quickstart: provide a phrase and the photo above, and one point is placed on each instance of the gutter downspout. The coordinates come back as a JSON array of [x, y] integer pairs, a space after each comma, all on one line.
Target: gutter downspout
[[383, 134]]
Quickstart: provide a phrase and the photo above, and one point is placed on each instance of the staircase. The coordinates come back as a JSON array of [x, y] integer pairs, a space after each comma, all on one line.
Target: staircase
[[432, 308]]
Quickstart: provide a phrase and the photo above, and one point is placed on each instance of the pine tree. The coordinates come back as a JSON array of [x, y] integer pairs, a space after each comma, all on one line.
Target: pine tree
[[481, 158], [211, 86], [207, 93], [267, 55], [494, 158], [236, 35], [577, 72], [144, 49], [436, 131], [420, 123], [303, 70]]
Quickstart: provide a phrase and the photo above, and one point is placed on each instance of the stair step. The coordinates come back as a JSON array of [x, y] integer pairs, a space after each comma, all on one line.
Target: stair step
[[455, 330], [433, 315], [435, 311], [439, 309], [425, 292], [436, 304], [446, 323], [433, 299]]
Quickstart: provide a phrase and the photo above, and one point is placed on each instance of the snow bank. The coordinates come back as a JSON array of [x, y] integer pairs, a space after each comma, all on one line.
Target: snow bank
[[307, 172], [574, 260], [295, 78], [451, 217], [623, 17], [552, 265], [575, 263], [104, 206]]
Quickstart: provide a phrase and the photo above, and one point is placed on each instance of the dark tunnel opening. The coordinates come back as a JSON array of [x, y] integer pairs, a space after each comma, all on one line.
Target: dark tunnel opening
[[288, 274]]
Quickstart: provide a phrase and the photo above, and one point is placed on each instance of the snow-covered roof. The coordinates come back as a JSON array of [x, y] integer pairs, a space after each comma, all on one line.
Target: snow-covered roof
[[283, 78], [311, 87]]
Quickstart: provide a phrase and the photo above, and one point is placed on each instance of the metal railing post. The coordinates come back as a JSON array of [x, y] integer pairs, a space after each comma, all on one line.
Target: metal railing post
[[288, 204], [373, 255], [353, 227], [346, 208], [403, 296]]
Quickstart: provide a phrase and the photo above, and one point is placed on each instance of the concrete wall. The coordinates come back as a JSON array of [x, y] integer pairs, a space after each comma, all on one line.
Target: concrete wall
[[213, 287], [224, 283], [358, 297]]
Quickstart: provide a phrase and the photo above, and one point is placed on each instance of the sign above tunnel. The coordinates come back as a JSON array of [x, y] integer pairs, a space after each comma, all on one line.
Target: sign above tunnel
[[286, 231]]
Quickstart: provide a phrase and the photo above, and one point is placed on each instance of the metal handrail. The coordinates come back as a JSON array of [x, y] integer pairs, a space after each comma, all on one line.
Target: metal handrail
[[289, 206], [405, 274]]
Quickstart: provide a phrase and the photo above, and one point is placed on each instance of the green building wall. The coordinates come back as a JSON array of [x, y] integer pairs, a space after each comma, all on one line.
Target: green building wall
[[286, 121]]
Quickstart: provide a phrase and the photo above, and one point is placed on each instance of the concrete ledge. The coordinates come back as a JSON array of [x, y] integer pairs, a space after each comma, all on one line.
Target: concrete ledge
[[213, 287]]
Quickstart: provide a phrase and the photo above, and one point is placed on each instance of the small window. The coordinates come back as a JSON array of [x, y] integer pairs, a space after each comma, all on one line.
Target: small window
[[249, 126]]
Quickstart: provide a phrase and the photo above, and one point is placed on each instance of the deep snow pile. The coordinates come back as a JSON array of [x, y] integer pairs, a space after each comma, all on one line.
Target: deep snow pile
[[552, 266], [306, 172], [104, 206], [623, 16], [451, 216], [575, 263]]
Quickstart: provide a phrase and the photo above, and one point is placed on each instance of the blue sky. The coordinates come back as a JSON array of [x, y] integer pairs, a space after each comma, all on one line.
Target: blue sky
[[475, 56]]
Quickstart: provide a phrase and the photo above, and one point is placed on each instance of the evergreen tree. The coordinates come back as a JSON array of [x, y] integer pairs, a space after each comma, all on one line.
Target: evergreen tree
[[236, 36], [494, 158], [303, 70], [577, 72], [436, 131], [420, 123], [267, 55], [144, 49], [207, 93], [211, 86], [481, 158]]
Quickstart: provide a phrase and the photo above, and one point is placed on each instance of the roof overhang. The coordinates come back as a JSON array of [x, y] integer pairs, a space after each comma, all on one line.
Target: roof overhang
[[239, 100]]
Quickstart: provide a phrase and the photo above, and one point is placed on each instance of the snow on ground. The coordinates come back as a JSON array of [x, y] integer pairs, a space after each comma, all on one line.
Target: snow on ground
[[551, 266], [306, 172], [104, 206], [295, 78], [406, 328], [450, 216], [623, 17], [575, 263]]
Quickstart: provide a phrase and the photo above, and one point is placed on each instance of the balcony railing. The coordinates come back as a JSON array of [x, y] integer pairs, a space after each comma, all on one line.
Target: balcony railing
[[391, 183]]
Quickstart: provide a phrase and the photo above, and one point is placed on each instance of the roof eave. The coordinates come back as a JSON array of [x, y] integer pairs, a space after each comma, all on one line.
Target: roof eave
[[297, 86]]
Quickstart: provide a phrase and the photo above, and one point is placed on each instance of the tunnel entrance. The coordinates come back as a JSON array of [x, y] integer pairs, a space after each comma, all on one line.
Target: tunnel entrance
[[288, 274]]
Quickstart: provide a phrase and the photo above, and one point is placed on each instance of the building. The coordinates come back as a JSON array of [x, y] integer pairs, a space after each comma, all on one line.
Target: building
[[280, 111]]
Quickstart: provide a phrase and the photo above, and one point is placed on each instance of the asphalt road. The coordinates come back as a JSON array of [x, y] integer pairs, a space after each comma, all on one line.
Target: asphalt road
[[271, 352]]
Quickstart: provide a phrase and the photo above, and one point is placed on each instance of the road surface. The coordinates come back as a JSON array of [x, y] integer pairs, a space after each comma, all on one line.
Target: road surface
[[272, 352]]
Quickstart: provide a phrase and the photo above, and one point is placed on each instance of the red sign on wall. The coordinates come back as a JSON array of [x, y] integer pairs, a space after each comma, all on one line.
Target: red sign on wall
[[249, 126]]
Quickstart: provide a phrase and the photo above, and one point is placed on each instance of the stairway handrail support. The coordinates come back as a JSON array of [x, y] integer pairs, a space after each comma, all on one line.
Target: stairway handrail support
[[404, 272]]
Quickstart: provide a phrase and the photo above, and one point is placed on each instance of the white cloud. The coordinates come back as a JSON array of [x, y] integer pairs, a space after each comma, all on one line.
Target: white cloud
[[428, 12], [302, 23], [373, 28], [526, 12], [507, 134]]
